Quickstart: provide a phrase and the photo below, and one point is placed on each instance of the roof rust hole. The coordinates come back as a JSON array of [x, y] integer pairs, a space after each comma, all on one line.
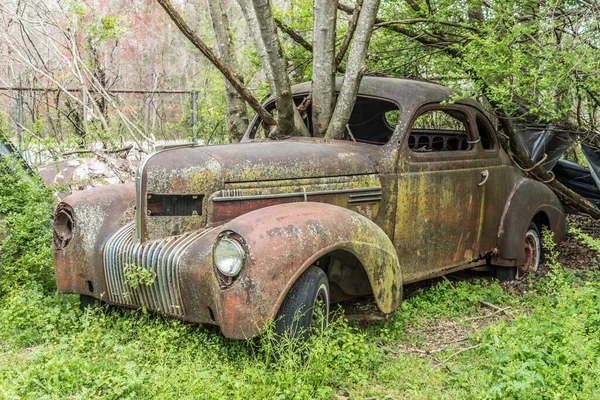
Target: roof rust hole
[[63, 226]]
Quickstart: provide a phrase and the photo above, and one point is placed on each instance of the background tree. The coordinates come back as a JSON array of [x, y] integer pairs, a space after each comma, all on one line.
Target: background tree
[[237, 113], [259, 16]]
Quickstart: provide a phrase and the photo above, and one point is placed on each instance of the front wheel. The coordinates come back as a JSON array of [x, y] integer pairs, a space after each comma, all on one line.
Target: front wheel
[[533, 251], [305, 309]]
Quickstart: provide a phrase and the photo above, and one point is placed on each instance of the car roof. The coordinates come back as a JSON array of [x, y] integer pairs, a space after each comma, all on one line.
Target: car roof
[[408, 93]]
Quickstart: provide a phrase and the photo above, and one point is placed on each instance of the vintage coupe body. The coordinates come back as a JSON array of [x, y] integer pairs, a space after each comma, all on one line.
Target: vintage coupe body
[[237, 235]]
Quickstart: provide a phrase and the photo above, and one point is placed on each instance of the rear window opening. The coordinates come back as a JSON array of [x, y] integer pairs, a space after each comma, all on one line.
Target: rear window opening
[[372, 121], [439, 130]]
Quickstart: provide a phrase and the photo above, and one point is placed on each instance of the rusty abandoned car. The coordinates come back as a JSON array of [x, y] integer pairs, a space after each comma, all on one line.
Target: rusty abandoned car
[[241, 234]]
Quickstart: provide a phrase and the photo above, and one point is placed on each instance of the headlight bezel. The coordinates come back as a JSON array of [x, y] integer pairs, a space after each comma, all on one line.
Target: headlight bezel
[[229, 238], [63, 226]]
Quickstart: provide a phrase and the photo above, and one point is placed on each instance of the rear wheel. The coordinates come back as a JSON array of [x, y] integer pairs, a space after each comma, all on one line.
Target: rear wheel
[[305, 310], [532, 247]]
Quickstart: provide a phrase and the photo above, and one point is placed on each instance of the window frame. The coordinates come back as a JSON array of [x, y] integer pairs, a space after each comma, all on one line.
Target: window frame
[[254, 121], [493, 134], [429, 156]]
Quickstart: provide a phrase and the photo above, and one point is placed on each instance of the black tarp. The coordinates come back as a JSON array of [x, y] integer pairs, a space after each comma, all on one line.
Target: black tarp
[[544, 141], [541, 140]]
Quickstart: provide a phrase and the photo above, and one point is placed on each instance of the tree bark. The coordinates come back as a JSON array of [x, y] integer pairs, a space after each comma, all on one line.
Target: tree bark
[[323, 67], [237, 114], [260, 21], [217, 62], [354, 70]]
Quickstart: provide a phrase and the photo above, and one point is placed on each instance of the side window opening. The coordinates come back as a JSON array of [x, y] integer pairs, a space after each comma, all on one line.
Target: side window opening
[[484, 133], [372, 121], [440, 131]]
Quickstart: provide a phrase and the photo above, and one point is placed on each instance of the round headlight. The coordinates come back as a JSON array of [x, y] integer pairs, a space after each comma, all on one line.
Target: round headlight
[[229, 256]]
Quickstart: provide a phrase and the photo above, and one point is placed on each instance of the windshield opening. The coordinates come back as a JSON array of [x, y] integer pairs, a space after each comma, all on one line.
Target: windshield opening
[[372, 121]]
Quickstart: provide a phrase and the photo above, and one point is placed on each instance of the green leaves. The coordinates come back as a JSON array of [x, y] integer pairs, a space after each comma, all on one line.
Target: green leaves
[[26, 251]]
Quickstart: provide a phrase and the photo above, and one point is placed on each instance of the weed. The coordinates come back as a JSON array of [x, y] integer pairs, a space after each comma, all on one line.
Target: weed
[[136, 276]]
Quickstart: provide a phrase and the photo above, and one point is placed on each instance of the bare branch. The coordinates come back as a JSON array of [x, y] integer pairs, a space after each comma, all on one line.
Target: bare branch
[[217, 62], [349, 33], [293, 34]]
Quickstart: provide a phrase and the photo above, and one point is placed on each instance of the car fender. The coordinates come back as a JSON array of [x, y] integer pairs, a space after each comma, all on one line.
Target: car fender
[[527, 198], [98, 214], [282, 241]]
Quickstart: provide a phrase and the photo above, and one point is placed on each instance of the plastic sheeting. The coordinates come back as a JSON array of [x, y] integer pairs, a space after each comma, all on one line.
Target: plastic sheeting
[[592, 156], [543, 140]]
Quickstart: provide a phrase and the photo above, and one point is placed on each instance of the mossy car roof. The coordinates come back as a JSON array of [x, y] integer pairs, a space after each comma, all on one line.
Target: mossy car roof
[[408, 93]]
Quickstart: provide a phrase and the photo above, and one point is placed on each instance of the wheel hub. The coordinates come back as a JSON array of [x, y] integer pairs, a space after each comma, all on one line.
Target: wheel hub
[[531, 257]]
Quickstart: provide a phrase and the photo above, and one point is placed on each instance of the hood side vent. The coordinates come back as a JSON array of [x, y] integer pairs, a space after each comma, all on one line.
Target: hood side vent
[[162, 205]]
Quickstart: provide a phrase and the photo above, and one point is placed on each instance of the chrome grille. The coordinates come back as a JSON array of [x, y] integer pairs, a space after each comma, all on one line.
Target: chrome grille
[[160, 256]]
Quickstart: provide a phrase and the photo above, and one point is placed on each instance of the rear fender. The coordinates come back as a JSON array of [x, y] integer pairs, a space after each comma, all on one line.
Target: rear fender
[[283, 241], [527, 199]]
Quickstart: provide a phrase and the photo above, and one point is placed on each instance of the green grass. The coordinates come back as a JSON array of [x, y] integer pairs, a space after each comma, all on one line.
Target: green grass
[[50, 349]]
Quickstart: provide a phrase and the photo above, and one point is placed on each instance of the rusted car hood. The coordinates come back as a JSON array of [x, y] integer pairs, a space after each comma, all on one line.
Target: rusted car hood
[[260, 161], [199, 172]]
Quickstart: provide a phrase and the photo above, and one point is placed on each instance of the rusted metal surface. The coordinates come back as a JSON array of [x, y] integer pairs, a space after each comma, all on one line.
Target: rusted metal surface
[[373, 217], [87, 173], [161, 257]]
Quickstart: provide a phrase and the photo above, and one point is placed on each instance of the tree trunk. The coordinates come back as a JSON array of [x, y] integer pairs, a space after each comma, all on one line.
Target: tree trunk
[[323, 70], [237, 114], [217, 62], [260, 21], [354, 70]]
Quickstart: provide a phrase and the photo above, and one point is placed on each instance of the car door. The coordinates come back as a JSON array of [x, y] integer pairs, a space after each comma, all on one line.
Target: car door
[[440, 179], [501, 177]]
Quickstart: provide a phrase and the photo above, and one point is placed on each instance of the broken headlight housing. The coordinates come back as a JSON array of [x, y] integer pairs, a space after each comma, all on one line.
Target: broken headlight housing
[[64, 222]]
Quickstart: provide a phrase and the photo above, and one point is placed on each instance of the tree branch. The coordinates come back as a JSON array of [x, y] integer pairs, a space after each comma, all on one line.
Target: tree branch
[[217, 62], [349, 33], [354, 70], [293, 34]]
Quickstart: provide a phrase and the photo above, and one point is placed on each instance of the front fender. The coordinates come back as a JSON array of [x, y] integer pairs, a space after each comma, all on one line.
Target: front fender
[[98, 214], [283, 241], [527, 199]]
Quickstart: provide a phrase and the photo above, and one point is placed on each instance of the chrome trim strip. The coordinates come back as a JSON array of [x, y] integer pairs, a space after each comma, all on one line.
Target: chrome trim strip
[[364, 199], [295, 194], [370, 194], [139, 195]]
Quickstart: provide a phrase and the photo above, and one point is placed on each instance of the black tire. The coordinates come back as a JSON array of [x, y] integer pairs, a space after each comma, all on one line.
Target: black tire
[[86, 301], [305, 308], [533, 252]]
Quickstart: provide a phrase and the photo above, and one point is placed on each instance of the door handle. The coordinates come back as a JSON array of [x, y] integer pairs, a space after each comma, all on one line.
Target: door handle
[[485, 174]]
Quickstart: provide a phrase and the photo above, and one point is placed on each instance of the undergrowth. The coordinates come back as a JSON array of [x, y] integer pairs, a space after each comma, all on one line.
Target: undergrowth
[[51, 349]]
